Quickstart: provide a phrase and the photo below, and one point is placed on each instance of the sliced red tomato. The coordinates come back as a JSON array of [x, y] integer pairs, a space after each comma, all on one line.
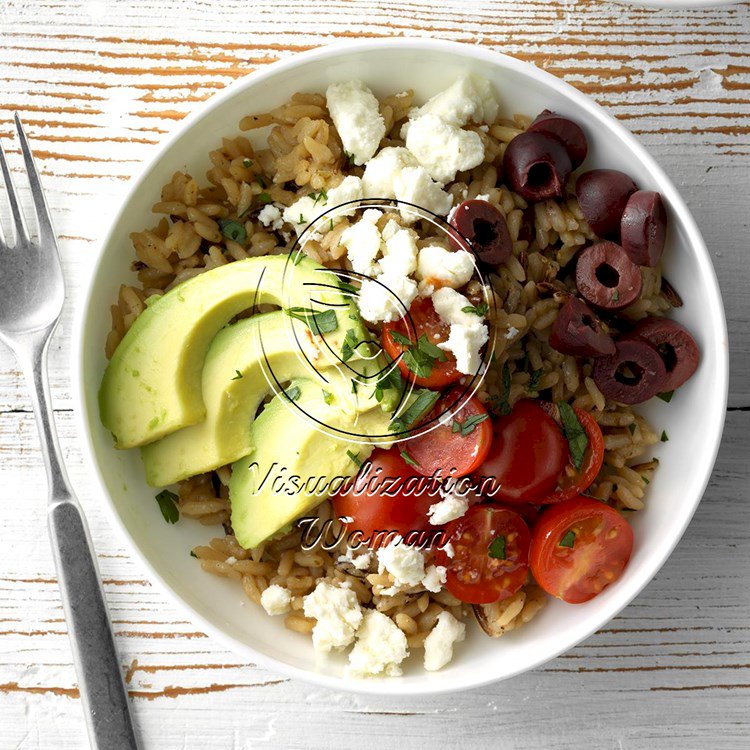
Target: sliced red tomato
[[574, 481], [390, 497], [579, 547], [527, 456], [490, 554], [421, 323], [458, 445]]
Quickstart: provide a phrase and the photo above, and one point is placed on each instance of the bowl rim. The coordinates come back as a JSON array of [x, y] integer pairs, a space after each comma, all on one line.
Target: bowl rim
[[390, 686]]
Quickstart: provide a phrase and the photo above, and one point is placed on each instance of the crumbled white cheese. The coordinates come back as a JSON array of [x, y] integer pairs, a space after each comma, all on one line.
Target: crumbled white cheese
[[307, 209], [434, 578], [452, 506], [356, 114], [270, 216], [404, 562], [399, 254], [482, 197], [378, 180], [386, 299], [391, 227], [380, 648], [275, 599], [438, 267], [414, 185], [468, 98], [449, 551], [362, 242], [468, 334], [359, 562], [442, 149], [231, 560], [512, 332], [338, 616], [438, 646]]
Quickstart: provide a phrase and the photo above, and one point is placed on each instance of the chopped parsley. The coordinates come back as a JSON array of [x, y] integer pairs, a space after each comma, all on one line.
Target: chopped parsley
[[615, 295], [318, 321], [192, 554], [301, 219], [422, 404], [168, 506], [496, 549], [664, 436], [409, 460], [569, 539], [238, 376], [419, 356], [354, 457], [265, 198], [666, 396], [469, 424], [327, 396], [233, 230], [536, 376], [247, 163], [631, 427], [322, 195], [576, 436], [349, 345], [292, 393], [479, 310], [391, 379], [355, 385], [501, 404], [346, 287]]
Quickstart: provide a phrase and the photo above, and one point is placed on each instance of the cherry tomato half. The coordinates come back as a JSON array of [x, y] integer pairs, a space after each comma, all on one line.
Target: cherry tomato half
[[422, 320], [461, 444], [490, 554], [572, 481], [528, 454], [391, 496], [579, 546]]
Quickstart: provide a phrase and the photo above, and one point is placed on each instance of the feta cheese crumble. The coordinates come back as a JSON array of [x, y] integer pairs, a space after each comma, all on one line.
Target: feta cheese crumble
[[468, 333], [414, 185], [358, 562], [438, 646], [362, 242], [434, 578], [380, 648], [438, 267], [399, 253], [380, 173], [276, 599], [404, 562], [452, 506], [270, 216], [442, 149], [386, 299], [338, 616], [307, 209], [469, 98], [356, 114]]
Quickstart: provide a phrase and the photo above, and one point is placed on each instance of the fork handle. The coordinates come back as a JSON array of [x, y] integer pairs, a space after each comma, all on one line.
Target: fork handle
[[100, 681]]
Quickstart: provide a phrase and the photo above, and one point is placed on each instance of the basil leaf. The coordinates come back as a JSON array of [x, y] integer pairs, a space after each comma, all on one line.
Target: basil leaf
[[496, 549], [318, 321], [576, 436], [569, 539], [233, 230], [168, 506]]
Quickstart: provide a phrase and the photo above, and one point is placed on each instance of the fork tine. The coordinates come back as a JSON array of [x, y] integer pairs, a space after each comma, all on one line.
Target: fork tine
[[43, 220], [15, 207]]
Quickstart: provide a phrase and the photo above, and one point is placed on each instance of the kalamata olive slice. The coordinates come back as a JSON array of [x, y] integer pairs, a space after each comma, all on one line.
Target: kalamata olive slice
[[677, 348], [643, 227], [579, 332], [633, 374], [485, 229], [566, 131], [602, 196], [537, 166], [606, 277]]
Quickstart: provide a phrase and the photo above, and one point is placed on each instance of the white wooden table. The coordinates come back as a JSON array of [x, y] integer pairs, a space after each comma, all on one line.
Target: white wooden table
[[99, 84]]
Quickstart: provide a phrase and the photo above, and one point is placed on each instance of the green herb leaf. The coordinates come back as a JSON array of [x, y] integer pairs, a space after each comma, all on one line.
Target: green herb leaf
[[327, 397], [301, 219], [399, 338], [265, 198], [664, 436], [409, 460], [292, 394], [355, 385], [469, 424], [429, 349], [233, 230], [576, 436], [350, 343], [536, 376], [496, 549], [318, 321], [168, 506], [298, 256], [615, 295], [346, 287], [261, 181], [666, 396], [238, 376], [354, 457], [247, 163], [192, 554], [569, 539], [500, 405], [480, 310], [422, 404]]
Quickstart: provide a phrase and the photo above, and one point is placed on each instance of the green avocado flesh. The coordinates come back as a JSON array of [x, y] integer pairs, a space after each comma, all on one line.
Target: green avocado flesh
[[153, 384], [246, 362], [288, 445]]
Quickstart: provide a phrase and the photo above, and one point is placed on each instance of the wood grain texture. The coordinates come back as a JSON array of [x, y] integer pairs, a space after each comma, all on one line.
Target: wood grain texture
[[99, 84]]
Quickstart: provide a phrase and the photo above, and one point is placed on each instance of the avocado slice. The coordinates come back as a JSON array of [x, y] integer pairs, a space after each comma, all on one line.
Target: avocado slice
[[246, 362], [152, 385], [287, 444]]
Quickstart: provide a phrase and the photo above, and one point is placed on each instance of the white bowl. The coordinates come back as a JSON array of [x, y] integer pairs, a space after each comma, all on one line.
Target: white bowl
[[693, 420]]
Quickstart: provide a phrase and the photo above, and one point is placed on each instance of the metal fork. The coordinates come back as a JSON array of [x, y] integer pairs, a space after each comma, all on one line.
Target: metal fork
[[32, 293]]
